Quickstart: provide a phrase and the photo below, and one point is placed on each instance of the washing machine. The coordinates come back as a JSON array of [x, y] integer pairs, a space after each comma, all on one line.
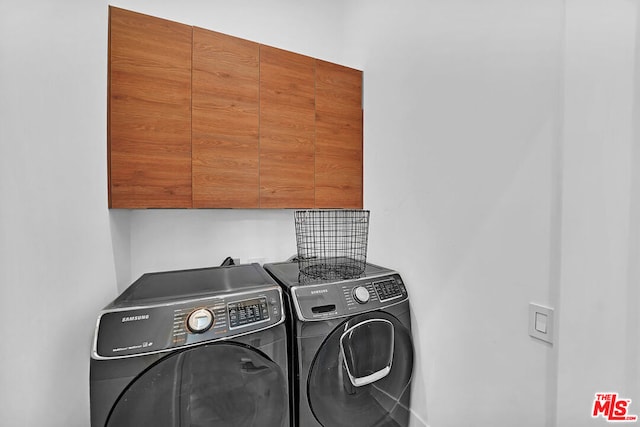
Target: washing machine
[[200, 347], [352, 352]]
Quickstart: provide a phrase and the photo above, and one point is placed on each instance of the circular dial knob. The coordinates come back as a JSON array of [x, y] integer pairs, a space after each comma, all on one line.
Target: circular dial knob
[[361, 294], [200, 321]]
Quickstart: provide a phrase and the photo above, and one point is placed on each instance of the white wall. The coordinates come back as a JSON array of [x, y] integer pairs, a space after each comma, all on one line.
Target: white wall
[[601, 216], [500, 168], [501, 157], [165, 240], [462, 130], [56, 258]]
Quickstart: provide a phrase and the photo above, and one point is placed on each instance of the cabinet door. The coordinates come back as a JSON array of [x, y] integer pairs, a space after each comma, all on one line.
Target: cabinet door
[[225, 119], [338, 136], [149, 112], [287, 117]]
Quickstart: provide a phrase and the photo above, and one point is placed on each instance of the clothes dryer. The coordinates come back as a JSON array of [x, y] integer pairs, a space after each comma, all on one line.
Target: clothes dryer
[[352, 353], [201, 347]]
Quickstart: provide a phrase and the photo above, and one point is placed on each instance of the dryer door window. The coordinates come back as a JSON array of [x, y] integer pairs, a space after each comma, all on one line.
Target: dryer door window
[[367, 351], [212, 385], [362, 373]]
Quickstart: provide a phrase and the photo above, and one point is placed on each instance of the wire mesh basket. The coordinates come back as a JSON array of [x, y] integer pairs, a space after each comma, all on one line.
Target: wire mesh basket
[[332, 244]]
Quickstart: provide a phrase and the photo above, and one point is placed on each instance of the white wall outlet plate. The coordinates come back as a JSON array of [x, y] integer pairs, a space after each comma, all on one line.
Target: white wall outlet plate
[[541, 322]]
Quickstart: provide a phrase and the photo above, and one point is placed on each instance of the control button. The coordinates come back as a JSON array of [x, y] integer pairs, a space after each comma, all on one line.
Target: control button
[[200, 321], [361, 294]]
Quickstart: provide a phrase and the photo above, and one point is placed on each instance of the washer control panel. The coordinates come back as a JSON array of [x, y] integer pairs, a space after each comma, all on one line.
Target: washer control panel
[[349, 297], [247, 312], [126, 332]]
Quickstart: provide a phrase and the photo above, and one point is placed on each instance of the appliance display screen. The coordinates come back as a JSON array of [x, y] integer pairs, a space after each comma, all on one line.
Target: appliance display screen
[[387, 289], [242, 313]]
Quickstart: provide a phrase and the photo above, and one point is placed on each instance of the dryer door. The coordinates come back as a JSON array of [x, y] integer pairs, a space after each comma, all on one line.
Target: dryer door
[[362, 373], [220, 384]]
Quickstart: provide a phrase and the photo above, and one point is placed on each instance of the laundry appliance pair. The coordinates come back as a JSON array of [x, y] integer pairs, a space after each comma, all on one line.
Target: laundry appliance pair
[[231, 346]]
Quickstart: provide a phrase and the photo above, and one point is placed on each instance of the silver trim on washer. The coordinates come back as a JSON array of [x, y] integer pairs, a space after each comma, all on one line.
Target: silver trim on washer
[[340, 283], [259, 292]]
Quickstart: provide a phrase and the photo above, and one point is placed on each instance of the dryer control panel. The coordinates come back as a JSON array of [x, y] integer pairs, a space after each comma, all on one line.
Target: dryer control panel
[[126, 332], [346, 298]]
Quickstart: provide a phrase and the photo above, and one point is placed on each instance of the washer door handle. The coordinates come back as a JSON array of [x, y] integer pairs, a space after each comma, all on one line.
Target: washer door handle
[[360, 381], [367, 351]]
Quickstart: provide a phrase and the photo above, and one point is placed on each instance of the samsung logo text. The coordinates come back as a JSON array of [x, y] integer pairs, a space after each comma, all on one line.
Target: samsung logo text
[[135, 318]]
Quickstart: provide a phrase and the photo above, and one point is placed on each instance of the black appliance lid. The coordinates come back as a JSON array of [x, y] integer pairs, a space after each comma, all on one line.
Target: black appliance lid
[[180, 284], [289, 274]]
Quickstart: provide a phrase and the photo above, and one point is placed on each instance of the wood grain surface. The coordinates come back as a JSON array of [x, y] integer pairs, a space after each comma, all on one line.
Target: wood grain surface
[[287, 128], [225, 121], [149, 112], [202, 119], [338, 155]]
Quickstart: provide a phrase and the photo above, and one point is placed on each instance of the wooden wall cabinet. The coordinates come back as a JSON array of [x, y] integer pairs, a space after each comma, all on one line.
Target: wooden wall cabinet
[[206, 120], [149, 112], [287, 129], [338, 148], [225, 121]]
